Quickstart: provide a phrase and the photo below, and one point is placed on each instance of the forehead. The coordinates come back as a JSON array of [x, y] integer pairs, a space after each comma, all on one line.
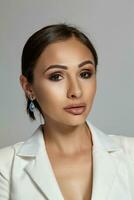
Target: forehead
[[70, 51]]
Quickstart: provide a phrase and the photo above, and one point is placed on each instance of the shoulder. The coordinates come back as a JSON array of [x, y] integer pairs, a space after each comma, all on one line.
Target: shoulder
[[127, 143], [6, 158], [27, 147]]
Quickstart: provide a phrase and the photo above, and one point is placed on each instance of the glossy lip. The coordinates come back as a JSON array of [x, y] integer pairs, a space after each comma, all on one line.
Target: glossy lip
[[75, 105], [76, 111]]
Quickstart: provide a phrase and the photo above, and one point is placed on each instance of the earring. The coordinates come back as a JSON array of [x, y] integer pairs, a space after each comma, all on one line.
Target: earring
[[31, 105]]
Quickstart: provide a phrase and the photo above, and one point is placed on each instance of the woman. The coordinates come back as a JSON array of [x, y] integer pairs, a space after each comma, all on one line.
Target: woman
[[66, 157]]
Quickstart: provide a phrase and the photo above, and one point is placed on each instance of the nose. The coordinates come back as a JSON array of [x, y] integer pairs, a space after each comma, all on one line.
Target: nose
[[74, 90]]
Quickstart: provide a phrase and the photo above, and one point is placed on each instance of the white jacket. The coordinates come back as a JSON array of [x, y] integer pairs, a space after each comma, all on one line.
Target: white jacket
[[26, 172]]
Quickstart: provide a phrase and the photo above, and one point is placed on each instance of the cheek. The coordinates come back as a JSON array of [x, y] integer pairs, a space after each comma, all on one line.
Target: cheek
[[49, 94], [94, 87], [91, 88], [90, 93]]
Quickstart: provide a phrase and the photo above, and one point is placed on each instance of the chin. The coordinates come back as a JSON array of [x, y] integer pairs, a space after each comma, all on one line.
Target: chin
[[74, 121]]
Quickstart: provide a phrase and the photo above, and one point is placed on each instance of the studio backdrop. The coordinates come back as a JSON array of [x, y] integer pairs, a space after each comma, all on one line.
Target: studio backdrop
[[110, 26]]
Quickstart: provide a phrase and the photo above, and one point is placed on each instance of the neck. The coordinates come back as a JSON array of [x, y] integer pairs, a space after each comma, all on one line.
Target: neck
[[69, 140]]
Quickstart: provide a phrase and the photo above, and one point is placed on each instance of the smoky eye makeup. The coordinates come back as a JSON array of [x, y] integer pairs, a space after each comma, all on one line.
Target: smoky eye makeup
[[58, 75]]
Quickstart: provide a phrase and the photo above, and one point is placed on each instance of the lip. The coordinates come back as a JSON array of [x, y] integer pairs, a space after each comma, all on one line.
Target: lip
[[76, 110], [75, 105]]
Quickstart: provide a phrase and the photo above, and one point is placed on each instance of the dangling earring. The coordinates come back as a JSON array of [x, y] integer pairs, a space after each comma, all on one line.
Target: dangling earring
[[31, 105]]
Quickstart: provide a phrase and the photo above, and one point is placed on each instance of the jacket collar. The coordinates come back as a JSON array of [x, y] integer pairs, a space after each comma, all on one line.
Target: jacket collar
[[105, 166], [101, 141]]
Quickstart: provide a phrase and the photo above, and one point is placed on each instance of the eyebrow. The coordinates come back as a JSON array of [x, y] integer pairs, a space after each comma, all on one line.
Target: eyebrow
[[65, 67]]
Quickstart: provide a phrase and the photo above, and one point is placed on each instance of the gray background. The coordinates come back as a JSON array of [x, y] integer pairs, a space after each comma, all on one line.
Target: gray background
[[111, 28]]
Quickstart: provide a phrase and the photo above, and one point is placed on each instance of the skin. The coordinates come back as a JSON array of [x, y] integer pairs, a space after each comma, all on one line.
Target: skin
[[66, 135], [65, 130]]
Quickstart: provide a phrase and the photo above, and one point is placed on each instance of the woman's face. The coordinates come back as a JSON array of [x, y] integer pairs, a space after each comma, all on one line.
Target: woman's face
[[55, 87]]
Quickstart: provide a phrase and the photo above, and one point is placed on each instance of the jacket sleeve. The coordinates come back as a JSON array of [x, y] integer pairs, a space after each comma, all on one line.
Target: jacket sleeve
[[6, 157], [4, 187]]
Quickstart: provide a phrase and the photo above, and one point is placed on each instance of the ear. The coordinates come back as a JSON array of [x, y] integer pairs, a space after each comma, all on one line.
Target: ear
[[26, 86]]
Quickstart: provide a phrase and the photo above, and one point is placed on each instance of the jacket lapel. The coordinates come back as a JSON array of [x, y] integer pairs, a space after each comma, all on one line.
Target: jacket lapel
[[39, 168], [105, 164], [105, 172]]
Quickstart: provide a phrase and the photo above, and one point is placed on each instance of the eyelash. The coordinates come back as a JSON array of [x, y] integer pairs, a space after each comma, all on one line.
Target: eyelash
[[89, 72]]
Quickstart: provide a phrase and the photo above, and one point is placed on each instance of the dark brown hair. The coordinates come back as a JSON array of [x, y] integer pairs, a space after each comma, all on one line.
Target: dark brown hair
[[36, 44]]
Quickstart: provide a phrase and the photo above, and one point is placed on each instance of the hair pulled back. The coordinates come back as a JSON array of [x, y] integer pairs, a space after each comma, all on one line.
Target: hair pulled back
[[37, 43]]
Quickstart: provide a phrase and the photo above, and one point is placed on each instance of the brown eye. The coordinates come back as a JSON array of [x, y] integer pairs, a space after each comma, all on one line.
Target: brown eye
[[86, 74], [54, 77]]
